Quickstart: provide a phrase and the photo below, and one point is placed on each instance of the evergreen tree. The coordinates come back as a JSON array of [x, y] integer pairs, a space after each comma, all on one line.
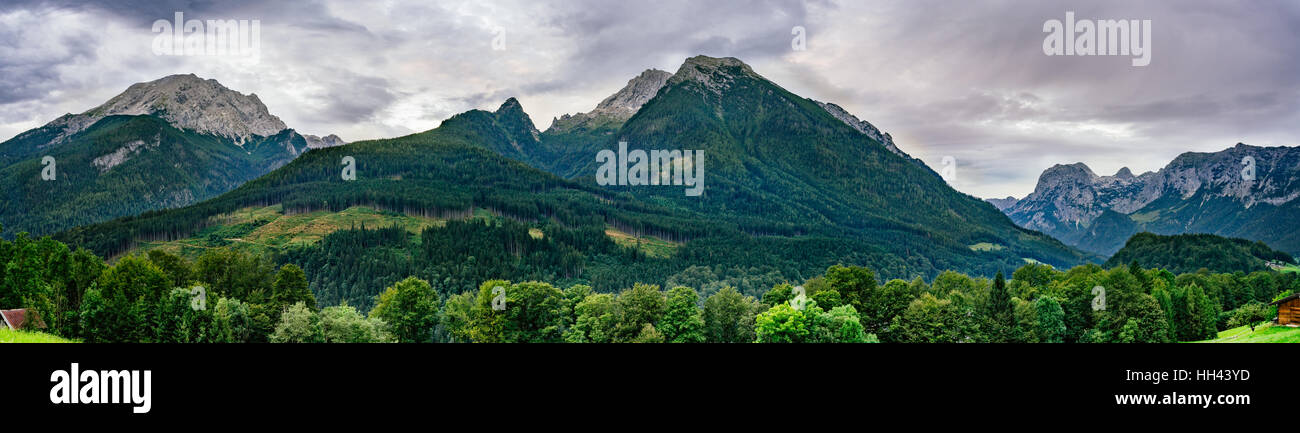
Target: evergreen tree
[[1000, 301]]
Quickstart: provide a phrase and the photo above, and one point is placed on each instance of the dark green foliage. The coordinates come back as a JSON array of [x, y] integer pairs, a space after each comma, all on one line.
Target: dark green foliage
[[999, 300], [1051, 320], [163, 167], [1187, 253], [682, 322], [410, 308], [729, 317]]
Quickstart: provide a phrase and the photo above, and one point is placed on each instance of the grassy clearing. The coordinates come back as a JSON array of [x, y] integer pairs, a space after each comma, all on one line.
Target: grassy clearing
[[259, 230], [1145, 217], [651, 246], [9, 336], [1262, 334], [985, 246]]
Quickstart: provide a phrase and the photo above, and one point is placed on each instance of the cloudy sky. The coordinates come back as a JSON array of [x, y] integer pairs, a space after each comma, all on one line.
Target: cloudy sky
[[967, 79]]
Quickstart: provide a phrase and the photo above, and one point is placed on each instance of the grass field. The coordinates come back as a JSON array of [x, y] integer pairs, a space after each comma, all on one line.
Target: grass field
[[651, 246], [261, 230], [257, 230], [1262, 334], [8, 336], [985, 246]]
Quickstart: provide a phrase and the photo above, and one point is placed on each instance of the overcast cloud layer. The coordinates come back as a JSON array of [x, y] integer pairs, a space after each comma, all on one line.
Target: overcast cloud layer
[[966, 79]]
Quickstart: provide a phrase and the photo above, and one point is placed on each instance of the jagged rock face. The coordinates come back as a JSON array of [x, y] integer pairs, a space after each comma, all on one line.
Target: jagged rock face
[[631, 97], [1070, 198], [622, 104], [314, 142], [1074, 194], [863, 126], [122, 154], [187, 102]]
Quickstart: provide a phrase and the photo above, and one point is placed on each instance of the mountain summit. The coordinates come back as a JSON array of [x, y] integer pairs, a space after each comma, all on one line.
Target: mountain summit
[[618, 107], [187, 102], [165, 143]]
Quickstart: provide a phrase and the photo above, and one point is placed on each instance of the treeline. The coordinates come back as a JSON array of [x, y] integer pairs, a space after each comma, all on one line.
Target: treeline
[[156, 297], [224, 296], [1190, 252]]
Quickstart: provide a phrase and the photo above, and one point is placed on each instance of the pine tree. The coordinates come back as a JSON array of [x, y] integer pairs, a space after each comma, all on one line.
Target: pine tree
[[1000, 300]]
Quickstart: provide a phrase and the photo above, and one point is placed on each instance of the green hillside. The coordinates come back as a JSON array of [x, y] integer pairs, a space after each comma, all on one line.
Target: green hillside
[[1261, 334], [126, 165], [9, 336], [1190, 252]]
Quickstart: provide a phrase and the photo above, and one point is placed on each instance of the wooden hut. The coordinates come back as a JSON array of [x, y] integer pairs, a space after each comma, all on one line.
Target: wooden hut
[[1288, 310]]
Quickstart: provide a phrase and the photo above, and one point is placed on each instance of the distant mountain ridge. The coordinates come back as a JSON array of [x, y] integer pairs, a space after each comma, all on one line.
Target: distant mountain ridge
[[1194, 193]]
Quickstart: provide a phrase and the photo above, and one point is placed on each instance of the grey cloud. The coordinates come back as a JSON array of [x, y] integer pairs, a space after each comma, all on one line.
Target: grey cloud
[[961, 78]]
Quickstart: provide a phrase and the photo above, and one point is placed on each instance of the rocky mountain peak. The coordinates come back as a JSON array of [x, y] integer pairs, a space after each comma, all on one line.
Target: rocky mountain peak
[[511, 115], [187, 102], [631, 97], [314, 142], [1003, 203], [1076, 171], [713, 73], [622, 104], [1124, 173]]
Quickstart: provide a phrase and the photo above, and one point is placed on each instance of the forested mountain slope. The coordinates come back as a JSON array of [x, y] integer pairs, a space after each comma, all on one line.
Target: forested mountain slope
[[162, 144], [789, 190], [1191, 252]]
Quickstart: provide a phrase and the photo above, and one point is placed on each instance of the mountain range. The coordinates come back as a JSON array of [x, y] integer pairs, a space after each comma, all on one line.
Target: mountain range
[[162, 144], [1244, 191], [793, 186]]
